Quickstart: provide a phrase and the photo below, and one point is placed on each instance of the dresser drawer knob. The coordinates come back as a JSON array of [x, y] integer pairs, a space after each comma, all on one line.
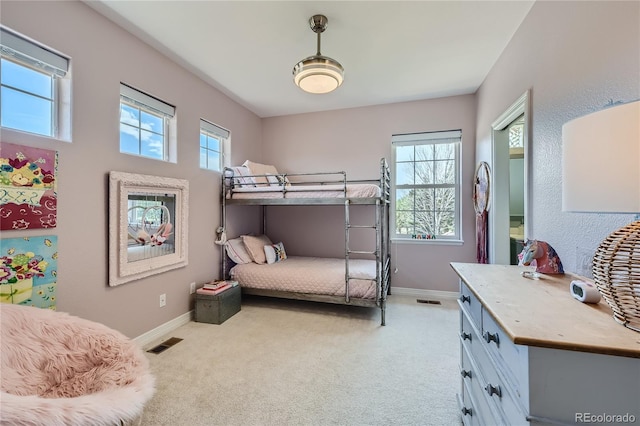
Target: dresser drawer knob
[[464, 298], [488, 337], [493, 390], [465, 336], [467, 411], [465, 373]]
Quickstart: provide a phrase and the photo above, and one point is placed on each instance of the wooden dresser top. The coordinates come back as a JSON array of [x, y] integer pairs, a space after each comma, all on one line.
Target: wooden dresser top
[[542, 312]]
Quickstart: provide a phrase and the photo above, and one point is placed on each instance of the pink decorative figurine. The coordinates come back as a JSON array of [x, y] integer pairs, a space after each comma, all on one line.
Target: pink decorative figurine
[[546, 259]]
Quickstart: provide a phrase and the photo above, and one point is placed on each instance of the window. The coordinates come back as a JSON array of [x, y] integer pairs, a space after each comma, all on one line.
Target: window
[[212, 141], [32, 88], [426, 186], [145, 124]]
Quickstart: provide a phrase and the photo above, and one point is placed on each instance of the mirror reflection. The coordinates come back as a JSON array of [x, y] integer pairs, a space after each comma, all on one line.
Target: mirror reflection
[[516, 188], [150, 229]]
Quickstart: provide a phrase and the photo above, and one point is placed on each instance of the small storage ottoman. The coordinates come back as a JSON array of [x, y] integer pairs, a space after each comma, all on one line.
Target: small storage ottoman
[[218, 308]]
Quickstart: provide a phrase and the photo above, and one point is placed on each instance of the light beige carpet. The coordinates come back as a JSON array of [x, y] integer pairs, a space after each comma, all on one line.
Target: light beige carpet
[[280, 362]]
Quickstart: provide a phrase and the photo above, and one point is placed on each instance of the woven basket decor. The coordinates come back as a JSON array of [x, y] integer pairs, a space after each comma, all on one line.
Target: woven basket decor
[[616, 273]]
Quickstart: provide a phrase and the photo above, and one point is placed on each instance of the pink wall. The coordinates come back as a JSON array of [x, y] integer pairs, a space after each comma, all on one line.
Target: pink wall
[[103, 55], [574, 57], [354, 140]]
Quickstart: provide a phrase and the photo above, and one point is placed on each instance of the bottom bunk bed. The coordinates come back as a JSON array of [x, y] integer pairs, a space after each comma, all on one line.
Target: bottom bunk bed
[[313, 278], [316, 279]]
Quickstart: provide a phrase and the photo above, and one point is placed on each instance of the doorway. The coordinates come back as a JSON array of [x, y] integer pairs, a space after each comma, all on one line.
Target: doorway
[[509, 219]]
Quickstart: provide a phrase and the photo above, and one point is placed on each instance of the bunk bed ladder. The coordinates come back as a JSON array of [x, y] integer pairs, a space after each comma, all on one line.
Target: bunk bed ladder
[[347, 241], [382, 249]]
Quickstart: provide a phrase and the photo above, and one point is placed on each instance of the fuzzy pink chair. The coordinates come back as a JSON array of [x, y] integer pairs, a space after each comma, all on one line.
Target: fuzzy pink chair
[[57, 369]]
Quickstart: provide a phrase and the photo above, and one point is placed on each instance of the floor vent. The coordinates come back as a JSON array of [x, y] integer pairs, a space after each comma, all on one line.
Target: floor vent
[[165, 345], [429, 302]]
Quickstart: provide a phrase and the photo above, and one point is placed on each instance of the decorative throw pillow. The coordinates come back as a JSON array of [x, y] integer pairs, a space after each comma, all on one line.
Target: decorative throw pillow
[[241, 176], [283, 180], [274, 253], [255, 247], [261, 170], [237, 252], [273, 180]]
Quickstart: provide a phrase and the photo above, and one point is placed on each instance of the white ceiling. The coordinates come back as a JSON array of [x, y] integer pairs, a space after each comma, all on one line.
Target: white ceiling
[[392, 51]]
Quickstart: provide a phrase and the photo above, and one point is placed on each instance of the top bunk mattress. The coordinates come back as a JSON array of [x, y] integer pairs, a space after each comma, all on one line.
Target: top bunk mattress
[[311, 275], [359, 190]]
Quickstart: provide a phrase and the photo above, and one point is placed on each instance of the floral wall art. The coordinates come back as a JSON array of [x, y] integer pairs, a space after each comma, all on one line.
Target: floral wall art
[[28, 187], [28, 271]]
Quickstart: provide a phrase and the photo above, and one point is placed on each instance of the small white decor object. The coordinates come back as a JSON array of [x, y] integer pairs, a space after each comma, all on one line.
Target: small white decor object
[[584, 291]]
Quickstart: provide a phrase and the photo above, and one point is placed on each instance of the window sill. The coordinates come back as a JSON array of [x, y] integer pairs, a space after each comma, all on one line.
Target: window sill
[[19, 136], [427, 242]]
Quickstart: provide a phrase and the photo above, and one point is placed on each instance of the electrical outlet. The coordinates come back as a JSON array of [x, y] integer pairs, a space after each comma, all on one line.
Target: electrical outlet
[[584, 262], [192, 287], [163, 300]]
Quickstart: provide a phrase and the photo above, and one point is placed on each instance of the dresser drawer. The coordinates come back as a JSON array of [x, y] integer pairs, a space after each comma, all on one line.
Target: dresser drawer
[[467, 412], [471, 304], [510, 359], [494, 396], [479, 410], [500, 395]]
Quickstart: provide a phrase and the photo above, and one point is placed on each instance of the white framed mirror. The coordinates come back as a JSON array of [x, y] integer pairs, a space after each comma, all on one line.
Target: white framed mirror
[[148, 225]]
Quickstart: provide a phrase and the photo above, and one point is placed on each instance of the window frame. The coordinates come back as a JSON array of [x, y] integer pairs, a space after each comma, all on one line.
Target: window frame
[[151, 105], [35, 57], [428, 138], [211, 130]]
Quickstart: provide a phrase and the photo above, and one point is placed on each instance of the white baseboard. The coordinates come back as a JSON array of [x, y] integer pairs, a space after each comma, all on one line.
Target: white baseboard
[[425, 294], [155, 334]]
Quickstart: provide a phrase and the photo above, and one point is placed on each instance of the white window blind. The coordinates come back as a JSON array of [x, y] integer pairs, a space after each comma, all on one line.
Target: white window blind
[[146, 101], [13, 45], [426, 138], [214, 129]]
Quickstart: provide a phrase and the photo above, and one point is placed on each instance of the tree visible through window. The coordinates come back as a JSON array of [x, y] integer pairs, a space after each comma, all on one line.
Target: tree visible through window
[[426, 185]]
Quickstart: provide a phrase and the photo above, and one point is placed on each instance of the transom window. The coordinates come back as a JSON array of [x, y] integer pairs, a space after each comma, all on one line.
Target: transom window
[[516, 135], [426, 186], [213, 139], [145, 124], [31, 89]]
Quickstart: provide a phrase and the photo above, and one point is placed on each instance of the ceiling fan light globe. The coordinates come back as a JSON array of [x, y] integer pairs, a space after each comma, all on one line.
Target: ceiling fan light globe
[[318, 74]]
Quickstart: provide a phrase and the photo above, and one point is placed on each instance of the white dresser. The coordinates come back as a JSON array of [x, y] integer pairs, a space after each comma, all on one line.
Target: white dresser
[[532, 354]]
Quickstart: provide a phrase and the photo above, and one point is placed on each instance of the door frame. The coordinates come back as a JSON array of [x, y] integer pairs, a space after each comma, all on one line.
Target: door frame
[[499, 247]]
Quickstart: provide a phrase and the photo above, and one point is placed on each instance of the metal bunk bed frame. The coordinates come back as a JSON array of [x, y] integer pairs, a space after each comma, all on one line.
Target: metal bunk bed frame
[[382, 250]]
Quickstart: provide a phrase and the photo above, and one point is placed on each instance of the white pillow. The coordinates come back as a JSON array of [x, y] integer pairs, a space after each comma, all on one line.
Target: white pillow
[[260, 169], [274, 253], [241, 176], [237, 251], [255, 247]]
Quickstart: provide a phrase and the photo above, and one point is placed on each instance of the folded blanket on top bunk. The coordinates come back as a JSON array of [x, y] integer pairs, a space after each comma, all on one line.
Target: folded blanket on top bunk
[[360, 190], [255, 180]]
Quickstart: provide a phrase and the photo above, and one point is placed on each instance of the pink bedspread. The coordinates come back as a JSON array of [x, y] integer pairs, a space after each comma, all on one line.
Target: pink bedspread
[[312, 275]]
